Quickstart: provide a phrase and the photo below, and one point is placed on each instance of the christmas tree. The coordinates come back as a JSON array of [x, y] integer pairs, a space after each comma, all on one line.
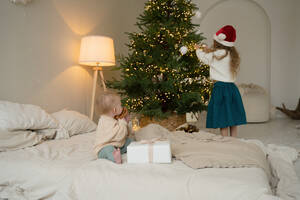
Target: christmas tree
[[162, 74]]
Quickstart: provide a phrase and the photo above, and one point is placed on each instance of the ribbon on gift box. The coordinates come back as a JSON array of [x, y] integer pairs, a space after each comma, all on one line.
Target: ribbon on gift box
[[150, 146]]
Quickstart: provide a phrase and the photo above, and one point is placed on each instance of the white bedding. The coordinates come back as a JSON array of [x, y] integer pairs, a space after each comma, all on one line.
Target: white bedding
[[68, 169]]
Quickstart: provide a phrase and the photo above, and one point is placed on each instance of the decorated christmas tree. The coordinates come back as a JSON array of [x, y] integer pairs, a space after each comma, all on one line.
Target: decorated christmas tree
[[162, 74]]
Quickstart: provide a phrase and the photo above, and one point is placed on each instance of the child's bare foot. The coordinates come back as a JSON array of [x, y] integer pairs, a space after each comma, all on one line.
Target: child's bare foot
[[117, 156]]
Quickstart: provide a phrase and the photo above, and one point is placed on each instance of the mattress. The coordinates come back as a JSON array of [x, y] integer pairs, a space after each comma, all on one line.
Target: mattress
[[68, 169]]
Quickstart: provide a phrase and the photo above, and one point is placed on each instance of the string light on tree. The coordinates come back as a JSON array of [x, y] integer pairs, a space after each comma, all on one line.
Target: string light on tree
[[161, 73]]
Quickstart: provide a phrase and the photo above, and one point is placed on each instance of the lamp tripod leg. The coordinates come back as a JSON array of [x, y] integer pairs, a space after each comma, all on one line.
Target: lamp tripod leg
[[93, 93], [102, 79]]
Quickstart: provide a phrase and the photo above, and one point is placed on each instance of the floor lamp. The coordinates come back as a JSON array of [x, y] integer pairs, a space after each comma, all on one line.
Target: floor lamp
[[97, 52]]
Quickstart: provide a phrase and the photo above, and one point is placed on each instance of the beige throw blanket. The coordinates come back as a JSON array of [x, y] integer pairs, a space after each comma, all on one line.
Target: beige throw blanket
[[207, 150]]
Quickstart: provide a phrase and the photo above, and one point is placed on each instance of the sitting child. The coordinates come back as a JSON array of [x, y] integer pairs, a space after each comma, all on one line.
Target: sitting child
[[112, 131]]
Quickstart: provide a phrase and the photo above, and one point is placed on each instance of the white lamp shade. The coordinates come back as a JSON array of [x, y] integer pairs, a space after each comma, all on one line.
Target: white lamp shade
[[97, 51]]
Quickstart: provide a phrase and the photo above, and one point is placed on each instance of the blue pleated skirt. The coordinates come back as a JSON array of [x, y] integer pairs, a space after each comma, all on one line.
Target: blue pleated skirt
[[225, 106]]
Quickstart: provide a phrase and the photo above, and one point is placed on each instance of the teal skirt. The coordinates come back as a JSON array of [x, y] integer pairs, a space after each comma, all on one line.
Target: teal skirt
[[225, 106]]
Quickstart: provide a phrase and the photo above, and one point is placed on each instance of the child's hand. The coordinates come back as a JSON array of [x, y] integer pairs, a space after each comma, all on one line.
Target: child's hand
[[127, 117], [205, 48], [197, 46], [122, 114]]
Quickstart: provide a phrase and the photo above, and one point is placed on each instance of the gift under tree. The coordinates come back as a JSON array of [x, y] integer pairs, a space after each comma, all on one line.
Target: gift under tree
[[161, 74]]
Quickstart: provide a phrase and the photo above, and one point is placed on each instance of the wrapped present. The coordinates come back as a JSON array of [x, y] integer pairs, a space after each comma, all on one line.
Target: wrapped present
[[192, 117], [149, 151]]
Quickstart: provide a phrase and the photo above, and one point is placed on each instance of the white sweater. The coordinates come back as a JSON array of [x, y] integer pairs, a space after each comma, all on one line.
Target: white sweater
[[219, 69], [110, 132]]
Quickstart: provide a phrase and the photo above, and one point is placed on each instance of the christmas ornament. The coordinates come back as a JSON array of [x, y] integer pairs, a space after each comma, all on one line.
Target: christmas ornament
[[160, 77], [183, 50], [198, 14]]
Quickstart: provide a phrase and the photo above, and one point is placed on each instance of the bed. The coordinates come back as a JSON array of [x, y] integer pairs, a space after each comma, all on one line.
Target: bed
[[66, 168]]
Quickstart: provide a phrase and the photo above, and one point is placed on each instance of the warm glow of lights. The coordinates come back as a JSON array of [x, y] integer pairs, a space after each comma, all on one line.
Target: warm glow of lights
[[135, 124], [81, 16], [72, 84]]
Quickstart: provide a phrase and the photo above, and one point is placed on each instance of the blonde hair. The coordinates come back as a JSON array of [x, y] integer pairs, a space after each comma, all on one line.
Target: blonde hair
[[107, 101], [234, 56]]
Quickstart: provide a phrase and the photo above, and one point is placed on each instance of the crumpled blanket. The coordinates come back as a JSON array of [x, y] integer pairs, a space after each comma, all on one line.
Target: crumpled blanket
[[203, 149], [206, 150], [287, 182]]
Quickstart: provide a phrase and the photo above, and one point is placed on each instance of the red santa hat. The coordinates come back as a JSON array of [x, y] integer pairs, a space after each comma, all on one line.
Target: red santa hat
[[226, 36]]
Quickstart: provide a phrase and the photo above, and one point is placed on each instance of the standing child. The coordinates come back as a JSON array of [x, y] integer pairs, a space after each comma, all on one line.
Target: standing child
[[112, 131], [225, 108]]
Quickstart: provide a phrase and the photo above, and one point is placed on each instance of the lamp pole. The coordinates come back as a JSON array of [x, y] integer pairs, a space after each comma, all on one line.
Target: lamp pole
[[96, 69]]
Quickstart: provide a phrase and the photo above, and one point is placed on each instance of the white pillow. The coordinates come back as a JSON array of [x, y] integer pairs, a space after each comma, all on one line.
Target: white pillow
[[74, 122], [15, 116], [13, 140]]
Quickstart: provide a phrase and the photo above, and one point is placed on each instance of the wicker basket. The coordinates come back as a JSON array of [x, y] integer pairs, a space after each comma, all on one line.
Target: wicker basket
[[170, 123]]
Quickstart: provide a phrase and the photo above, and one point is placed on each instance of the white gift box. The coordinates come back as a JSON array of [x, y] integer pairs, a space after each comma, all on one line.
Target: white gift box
[[191, 117], [149, 151]]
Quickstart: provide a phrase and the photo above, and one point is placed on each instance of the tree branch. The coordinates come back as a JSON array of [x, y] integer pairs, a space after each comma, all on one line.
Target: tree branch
[[294, 114]]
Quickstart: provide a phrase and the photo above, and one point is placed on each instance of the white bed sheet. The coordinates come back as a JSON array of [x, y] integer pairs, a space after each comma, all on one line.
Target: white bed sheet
[[68, 169]]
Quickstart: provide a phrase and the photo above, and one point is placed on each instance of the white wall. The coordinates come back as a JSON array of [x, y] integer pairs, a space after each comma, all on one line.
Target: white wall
[[282, 16], [39, 48], [284, 70], [253, 37]]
